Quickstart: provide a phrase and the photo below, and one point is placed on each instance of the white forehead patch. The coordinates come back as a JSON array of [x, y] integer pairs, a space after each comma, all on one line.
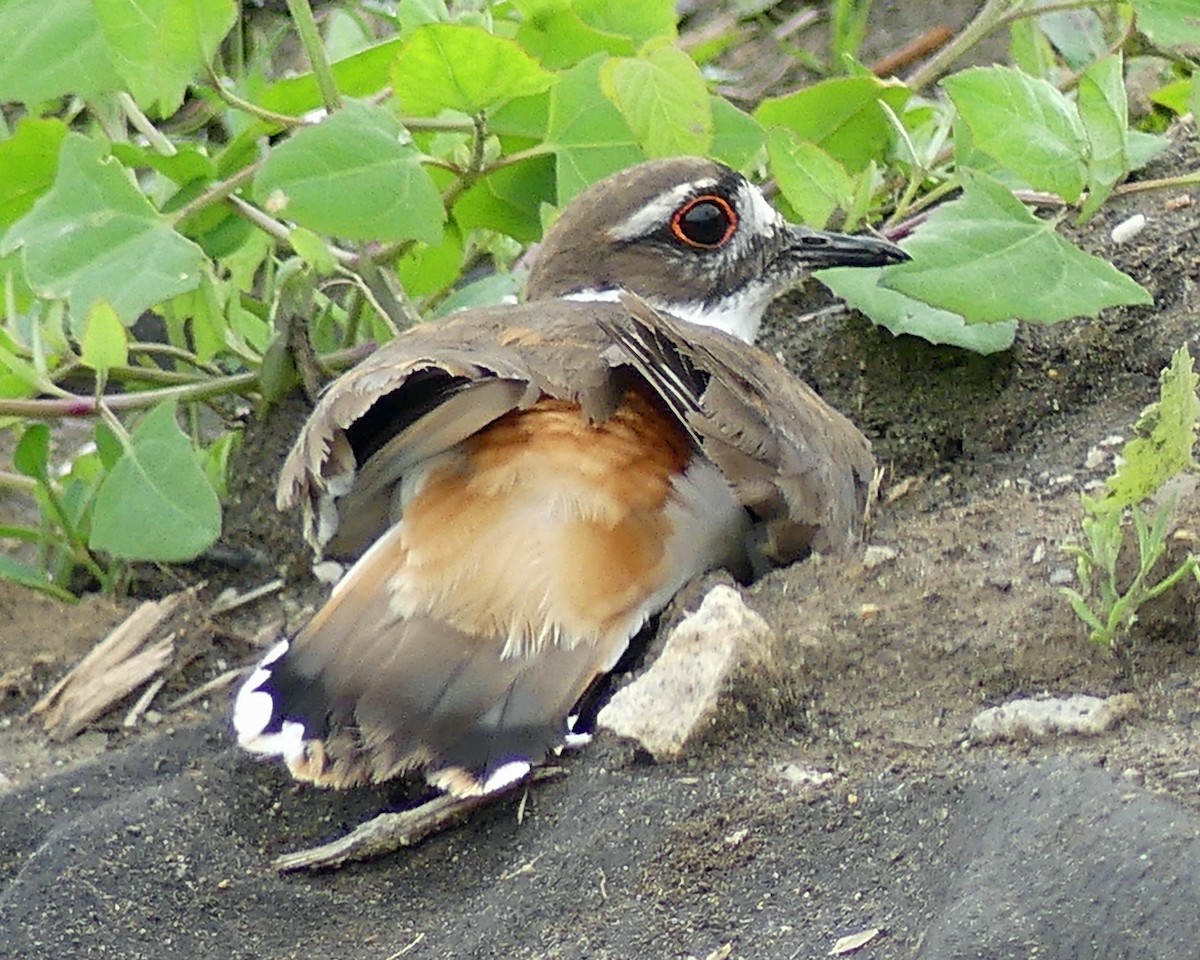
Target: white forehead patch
[[658, 211]]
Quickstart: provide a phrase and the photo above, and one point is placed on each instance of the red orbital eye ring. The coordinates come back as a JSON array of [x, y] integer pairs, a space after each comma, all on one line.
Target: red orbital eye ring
[[705, 222]]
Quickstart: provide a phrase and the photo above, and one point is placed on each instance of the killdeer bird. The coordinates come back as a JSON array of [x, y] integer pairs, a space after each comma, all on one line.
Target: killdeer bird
[[519, 488]]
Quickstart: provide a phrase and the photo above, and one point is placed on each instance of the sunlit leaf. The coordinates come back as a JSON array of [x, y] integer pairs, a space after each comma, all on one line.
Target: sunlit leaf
[[53, 47], [449, 66], [590, 137], [664, 100], [156, 503], [94, 236], [104, 344], [842, 116], [1025, 124], [354, 175], [29, 159], [158, 46], [899, 314], [987, 258]]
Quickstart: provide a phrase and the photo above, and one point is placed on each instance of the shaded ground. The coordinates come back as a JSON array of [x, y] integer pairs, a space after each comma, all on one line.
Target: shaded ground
[[156, 841]]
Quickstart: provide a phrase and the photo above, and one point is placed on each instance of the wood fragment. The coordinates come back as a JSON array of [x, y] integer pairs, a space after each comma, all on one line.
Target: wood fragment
[[211, 686], [854, 941], [389, 832], [143, 703], [113, 669], [225, 604]]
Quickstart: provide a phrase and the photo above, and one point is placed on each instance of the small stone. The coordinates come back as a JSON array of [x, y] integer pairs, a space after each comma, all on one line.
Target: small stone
[[1061, 576], [1043, 719], [876, 555], [1129, 228], [670, 706], [1095, 457], [804, 777]]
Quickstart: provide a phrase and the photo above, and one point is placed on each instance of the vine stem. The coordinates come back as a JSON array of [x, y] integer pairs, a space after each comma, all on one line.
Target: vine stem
[[78, 405], [216, 193], [993, 15], [306, 26]]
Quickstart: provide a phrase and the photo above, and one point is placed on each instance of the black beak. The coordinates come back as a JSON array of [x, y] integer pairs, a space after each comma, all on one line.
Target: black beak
[[818, 250]]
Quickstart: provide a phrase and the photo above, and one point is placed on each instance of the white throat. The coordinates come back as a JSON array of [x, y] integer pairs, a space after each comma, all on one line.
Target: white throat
[[740, 315]]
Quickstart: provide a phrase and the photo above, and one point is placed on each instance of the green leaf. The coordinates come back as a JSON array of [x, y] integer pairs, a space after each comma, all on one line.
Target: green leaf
[[1144, 147], [588, 134], [737, 136], [842, 116], [158, 46], [104, 343], [108, 445], [1171, 24], [355, 176], [32, 454], [509, 200], [903, 315], [1165, 436], [186, 165], [51, 48], [1077, 34], [450, 66], [26, 576], [1103, 109], [425, 269], [95, 237], [812, 182], [360, 75], [156, 503], [1175, 96], [1025, 124], [987, 258], [217, 459], [313, 250], [563, 33], [29, 159], [664, 100], [487, 292]]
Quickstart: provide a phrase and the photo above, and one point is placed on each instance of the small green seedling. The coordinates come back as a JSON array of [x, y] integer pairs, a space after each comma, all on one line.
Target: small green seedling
[[1162, 447]]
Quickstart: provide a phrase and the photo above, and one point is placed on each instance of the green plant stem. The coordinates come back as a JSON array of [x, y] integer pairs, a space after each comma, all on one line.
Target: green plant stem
[[76, 405], [262, 113], [144, 126], [994, 15], [175, 353], [306, 26], [280, 231], [986, 20], [216, 193], [437, 124], [1024, 13], [78, 544], [1165, 584], [1163, 183]]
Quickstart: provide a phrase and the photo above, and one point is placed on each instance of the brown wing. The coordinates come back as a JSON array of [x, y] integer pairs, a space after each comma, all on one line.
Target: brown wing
[[799, 466], [421, 393]]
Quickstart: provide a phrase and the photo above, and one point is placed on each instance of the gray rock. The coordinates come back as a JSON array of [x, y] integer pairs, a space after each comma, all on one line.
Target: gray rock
[[675, 702]]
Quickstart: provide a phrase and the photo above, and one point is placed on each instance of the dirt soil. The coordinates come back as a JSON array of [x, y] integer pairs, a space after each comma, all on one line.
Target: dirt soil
[[155, 840]]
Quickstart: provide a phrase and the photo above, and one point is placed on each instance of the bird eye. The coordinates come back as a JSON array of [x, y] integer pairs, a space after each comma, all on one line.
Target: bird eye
[[706, 222]]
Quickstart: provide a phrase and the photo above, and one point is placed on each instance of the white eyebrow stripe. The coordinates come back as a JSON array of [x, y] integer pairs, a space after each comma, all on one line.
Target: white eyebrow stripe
[[658, 211]]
